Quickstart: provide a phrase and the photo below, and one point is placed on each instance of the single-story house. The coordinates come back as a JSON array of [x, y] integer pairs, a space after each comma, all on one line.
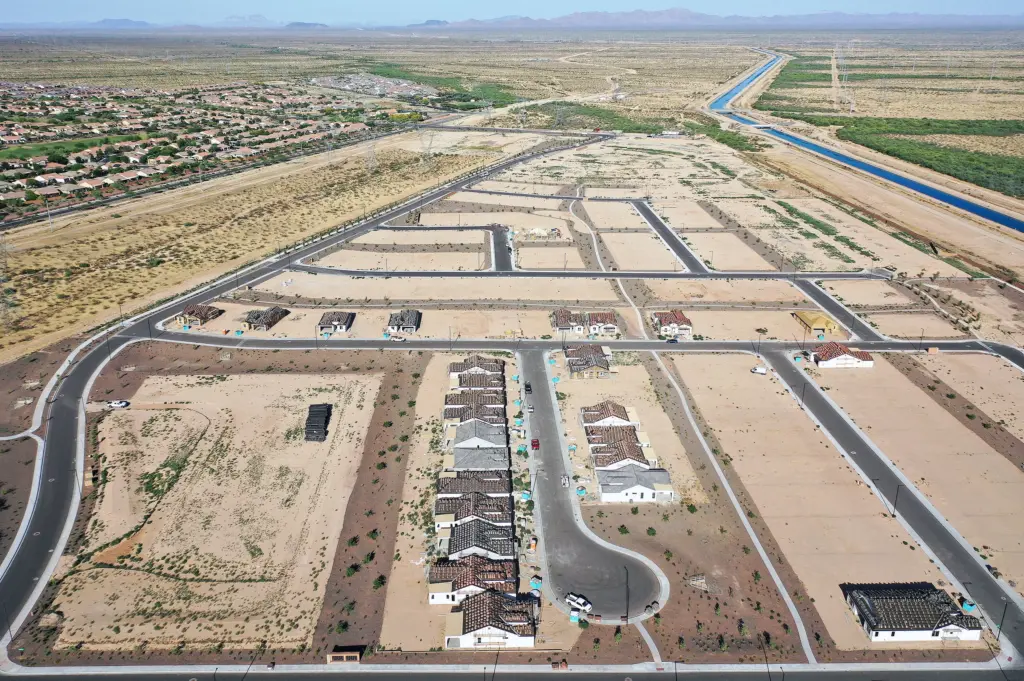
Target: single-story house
[[453, 511], [617, 455], [602, 324], [673, 324], [475, 434], [916, 611], [449, 582], [486, 382], [633, 484], [478, 365], [263, 320], [406, 321], [587, 361], [458, 483], [568, 321], [478, 538], [816, 323], [476, 459], [491, 620], [335, 322], [608, 413], [197, 315], [470, 398], [834, 355], [467, 412]]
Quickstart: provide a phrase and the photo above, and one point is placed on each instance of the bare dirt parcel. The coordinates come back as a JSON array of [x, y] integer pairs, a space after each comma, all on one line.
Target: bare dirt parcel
[[215, 520]]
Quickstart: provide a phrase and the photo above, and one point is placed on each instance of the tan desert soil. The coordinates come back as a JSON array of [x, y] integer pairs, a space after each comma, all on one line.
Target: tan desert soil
[[22, 381], [17, 465]]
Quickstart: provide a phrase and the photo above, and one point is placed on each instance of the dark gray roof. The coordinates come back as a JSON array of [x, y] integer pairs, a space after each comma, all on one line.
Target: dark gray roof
[[488, 432], [405, 318], [481, 458], [477, 533], [631, 476], [337, 318], [915, 606], [467, 482]]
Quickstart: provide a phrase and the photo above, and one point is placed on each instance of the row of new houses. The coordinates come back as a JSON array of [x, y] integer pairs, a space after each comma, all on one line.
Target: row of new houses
[[407, 321]]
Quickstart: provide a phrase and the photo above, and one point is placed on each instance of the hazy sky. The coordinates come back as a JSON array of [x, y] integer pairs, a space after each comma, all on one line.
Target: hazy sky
[[398, 12]]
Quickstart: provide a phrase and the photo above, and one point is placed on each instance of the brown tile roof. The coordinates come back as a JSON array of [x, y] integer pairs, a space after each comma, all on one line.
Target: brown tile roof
[[831, 350], [481, 381], [467, 412], [491, 609], [203, 313], [603, 410], [563, 318], [603, 318], [338, 318], [474, 504], [474, 397], [669, 317], [497, 575], [619, 451], [582, 357], [467, 482], [489, 364], [606, 435], [481, 535]]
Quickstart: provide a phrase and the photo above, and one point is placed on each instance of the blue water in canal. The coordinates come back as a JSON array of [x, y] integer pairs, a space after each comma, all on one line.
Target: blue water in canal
[[720, 105]]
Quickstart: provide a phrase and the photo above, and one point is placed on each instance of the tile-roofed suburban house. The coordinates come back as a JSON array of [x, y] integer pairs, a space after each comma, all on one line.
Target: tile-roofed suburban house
[[407, 321], [452, 511], [490, 620], [619, 455], [478, 538], [834, 355], [263, 320], [478, 365], [335, 322], [467, 412], [475, 433], [479, 382], [587, 361], [605, 435], [633, 484], [566, 320], [817, 323], [608, 413], [917, 611], [484, 398], [672, 324], [602, 324], [449, 582], [476, 459], [197, 315], [491, 483]]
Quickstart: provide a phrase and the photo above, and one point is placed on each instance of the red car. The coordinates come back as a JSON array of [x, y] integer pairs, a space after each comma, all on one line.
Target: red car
[[535, 443]]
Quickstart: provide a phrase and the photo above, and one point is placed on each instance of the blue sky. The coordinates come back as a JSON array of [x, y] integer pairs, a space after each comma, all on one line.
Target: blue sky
[[397, 12]]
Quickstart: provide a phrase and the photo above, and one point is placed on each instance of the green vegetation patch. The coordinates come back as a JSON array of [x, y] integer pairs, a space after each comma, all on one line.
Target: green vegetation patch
[[726, 137], [453, 92], [572, 115], [64, 147], [814, 222]]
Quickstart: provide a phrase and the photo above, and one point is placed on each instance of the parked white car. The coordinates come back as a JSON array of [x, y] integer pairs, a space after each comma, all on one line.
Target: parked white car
[[117, 404], [397, 339], [577, 601]]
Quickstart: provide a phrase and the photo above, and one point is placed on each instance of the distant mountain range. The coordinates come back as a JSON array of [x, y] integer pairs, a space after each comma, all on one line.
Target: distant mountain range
[[681, 18], [674, 19]]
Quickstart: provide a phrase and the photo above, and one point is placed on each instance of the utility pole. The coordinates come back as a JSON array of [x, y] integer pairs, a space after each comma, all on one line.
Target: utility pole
[[48, 216], [6, 323]]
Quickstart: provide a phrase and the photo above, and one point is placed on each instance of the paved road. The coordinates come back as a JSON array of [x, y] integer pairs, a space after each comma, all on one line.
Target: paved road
[[614, 582], [691, 261], [959, 560], [855, 324]]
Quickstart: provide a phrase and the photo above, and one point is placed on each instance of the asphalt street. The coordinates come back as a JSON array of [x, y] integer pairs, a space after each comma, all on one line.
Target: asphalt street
[[961, 561], [855, 324], [615, 583], [691, 261]]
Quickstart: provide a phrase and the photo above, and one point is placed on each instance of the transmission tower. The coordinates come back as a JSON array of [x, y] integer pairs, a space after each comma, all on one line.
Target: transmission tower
[[6, 322], [522, 118], [559, 116], [370, 159], [426, 143]]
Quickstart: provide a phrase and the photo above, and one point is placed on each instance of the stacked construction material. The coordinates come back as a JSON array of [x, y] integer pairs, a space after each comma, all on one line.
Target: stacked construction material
[[316, 422]]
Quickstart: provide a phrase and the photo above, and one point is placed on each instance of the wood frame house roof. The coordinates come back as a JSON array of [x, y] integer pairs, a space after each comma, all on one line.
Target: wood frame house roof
[[915, 606], [483, 573]]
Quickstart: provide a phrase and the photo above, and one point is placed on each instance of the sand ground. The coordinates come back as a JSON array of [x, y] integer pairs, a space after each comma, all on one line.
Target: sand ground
[[415, 237], [441, 288], [520, 187], [640, 251], [683, 214], [244, 512], [1001, 318], [550, 258], [615, 192], [830, 526], [867, 293], [991, 383], [743, 325], [630, 387], [435, 262], [973, 486], [721, 290], [518, 222], [607, 215], [505, 200], [913, 325], [725, 251]]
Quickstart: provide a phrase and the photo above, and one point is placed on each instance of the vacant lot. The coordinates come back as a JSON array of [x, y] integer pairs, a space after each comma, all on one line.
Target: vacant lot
[[634, 251], [867, 293], [951, 465], [610, 215], [831, 528], [912, 325], [234, 518], [725, 251], [138, 251], [997, 312], [549, 258], [682, 215], [744, 325], [431, 289], [17, 463], [435, 261], [505, 200], [721, 290], [423, 237]]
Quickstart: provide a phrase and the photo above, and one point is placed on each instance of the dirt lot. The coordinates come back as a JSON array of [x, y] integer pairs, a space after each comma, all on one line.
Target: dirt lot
[[22, 381], [505, 200], [545, 221], [521, 187], [743, 325], [370, 260], [721, 290], [950, 464], [867, 293], [17, 465], [999, 311], [433, 289], [609, 215], [81, 271], [640, 251], [839, 531], [683, 215], [912, 325], [423, 237], [725, 251], [550, 258]]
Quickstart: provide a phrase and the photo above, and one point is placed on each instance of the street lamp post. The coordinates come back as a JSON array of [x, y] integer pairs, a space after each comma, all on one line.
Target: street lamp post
[[896, 499]]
